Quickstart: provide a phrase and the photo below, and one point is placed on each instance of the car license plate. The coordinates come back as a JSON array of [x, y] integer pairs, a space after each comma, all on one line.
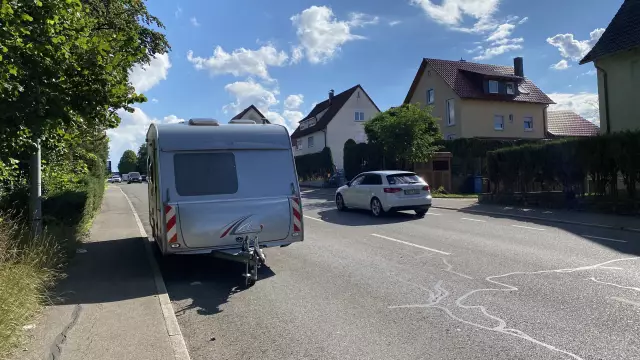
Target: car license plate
[[412, 192]]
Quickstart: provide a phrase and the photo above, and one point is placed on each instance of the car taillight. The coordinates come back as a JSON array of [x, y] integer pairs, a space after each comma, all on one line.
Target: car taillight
[[392, 190], [426, 188]]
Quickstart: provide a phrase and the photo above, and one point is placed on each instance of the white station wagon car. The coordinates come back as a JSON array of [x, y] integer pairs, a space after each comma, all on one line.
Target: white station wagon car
[[385, 191]]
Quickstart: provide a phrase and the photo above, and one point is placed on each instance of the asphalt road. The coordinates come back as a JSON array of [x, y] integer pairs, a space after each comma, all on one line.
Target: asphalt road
[[449, 286]]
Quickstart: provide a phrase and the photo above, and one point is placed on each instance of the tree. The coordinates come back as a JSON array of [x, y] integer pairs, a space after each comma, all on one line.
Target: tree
[[141, 165], [128, 162], [406, 134]]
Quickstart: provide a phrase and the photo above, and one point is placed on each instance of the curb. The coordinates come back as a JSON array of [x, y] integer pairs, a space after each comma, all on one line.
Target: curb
[[178, 344], [602, 226]]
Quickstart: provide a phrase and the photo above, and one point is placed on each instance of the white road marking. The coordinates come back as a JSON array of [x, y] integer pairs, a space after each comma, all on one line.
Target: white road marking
[[411, 244], [528, 227], [450, 267], [625, 301], [603, 238], [615, 285], [478, 220], [176, 339], [430, 213], [312, 218]]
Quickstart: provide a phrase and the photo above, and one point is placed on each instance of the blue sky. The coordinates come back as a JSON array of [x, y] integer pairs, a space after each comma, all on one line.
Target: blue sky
[[284, 56]]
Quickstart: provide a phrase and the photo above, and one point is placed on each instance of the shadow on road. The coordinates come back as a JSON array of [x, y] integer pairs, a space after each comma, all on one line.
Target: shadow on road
[[363, 218], [207, 281], [620, 241]]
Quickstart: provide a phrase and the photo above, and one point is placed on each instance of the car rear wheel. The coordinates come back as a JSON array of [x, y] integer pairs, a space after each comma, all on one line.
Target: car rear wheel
[[376, 207], [340, 203]]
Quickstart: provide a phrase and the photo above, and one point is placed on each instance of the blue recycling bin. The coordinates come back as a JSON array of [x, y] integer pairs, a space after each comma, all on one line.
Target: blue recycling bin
[[477, 184]]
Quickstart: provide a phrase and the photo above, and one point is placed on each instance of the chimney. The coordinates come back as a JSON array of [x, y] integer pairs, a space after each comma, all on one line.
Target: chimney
[[518, 67], [331, 96]]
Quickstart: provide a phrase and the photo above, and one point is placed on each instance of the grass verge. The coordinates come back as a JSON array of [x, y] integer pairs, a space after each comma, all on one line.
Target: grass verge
[[455, 196], [30, 267]]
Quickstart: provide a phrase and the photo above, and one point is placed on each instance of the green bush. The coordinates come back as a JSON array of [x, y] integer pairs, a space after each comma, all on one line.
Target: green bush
[[361, 157], [316, 165]]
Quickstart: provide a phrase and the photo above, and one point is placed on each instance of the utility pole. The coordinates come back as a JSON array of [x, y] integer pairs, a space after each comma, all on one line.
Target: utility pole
[[35, 183]]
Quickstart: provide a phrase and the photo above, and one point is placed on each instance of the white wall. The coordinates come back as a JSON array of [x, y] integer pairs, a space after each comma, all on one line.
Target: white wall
[[318, 144], [252, 115], [344, 126]]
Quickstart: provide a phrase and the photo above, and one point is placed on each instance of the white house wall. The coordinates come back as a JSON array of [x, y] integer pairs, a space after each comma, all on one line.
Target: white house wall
[[318, 144], [344, 126]]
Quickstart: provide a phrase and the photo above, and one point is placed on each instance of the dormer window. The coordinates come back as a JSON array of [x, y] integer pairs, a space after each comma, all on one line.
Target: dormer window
[[303, 125], [493, 87], [511, 89], [312, 122]]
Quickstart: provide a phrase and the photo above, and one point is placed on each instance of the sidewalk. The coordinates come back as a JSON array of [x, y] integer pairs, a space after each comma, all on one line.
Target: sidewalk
[[109, 307], [626, 223]]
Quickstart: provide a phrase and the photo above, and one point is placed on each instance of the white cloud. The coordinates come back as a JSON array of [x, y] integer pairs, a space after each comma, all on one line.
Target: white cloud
[[497, 33], [154, 100], [194, 21], [144, 77], [297, 54], [241, 61], [292, 117], [573, 49], [395, 22], [561, 65], [178, 11], [321, 34], [584, 103], [293, 102], [131, 132]]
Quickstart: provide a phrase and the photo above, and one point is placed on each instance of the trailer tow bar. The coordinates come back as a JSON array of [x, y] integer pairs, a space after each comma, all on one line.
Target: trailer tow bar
[[255, 257]]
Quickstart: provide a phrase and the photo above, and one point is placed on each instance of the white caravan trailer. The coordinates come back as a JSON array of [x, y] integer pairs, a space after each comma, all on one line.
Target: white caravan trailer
[[228, 190]]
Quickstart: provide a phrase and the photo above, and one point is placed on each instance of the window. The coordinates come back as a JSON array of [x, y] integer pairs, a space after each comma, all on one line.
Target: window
[[303, 125], [451, 137], [493, 87], [312, 122], [430, 96], [359, 116], [440, 165], [372, 179], [403, 178], [528, 123], [510, 88], [357, 180], [498, 122], [451, 113], [310, 141], [299, 144], [200, 174]]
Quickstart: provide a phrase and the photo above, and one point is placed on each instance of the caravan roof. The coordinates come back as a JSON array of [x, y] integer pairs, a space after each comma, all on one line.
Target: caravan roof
[[176, 137]]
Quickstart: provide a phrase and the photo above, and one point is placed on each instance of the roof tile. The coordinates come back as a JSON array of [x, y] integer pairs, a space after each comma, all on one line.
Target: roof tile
[[568, 123]]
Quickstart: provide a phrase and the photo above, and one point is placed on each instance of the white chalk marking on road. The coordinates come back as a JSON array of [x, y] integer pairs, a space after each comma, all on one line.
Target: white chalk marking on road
[[502, 324], [411, 244], [625, 301], [312, 218], [450, 267], [478, 220], [611, 268], [603, 238], [176, 339], [615, 285], [528, 227]]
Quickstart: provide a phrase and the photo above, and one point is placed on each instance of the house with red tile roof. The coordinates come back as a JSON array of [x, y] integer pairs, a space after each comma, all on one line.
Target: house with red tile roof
[[481, 100], [334, 121], [564, 123], [251, 113], [616, 57]]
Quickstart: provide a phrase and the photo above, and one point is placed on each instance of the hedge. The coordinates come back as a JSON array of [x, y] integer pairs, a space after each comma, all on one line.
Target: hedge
[[315, 165], [359, 157], [568, 162]]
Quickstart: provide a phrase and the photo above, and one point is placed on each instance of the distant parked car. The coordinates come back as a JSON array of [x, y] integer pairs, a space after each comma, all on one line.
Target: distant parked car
[[144, 178], [134, 177], [385, 191], [116, 179]]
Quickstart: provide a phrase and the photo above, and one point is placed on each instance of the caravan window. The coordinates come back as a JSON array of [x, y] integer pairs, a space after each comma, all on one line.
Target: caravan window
[[200, 174]]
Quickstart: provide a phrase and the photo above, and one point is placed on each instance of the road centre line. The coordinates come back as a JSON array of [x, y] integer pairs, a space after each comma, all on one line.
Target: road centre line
[[528, 227], [603, 238], [478, 220], [411, 244], [312, 218]]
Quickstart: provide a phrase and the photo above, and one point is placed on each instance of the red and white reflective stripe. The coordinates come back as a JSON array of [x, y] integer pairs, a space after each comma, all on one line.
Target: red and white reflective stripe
[[172, 231], [296, 209]]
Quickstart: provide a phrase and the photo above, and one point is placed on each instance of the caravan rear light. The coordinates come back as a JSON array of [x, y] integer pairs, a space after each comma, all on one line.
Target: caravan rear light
[[392, 190], [172, 231], [426, 188]]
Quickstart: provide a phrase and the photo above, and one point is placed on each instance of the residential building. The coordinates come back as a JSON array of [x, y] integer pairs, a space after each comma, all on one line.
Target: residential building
[[480, 100], [616, 57], [252, 113], [334, 121], [564, 123]]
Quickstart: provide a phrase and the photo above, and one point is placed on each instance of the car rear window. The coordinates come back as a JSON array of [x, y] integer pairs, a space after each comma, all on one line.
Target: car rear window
[[404, 178], [200, 174], [134, 174]]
